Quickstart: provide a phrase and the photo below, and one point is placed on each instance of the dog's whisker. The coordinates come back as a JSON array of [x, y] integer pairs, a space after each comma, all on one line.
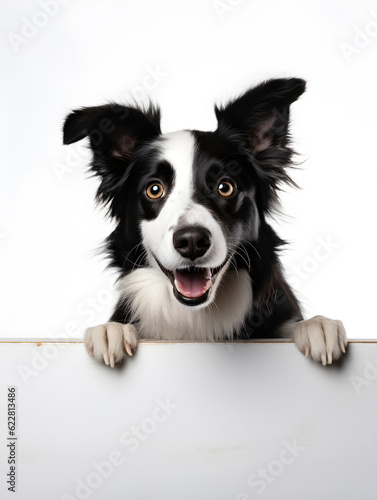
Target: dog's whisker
[[245, 258], [240, 244], [242, 247], [126, 259], [140, 259]]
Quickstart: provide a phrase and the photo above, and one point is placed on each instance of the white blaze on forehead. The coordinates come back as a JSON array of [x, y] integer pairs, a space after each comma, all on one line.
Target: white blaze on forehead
[[178, 148]]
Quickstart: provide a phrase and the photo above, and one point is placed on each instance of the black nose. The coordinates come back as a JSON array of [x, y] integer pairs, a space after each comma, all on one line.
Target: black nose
[[192, 242]]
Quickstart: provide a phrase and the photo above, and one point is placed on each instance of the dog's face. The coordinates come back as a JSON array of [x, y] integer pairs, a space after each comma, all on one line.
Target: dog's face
[[188, 202], [196, 204]]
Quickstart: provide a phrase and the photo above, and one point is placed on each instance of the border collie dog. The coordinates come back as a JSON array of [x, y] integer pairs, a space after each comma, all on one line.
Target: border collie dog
[[197, 259]]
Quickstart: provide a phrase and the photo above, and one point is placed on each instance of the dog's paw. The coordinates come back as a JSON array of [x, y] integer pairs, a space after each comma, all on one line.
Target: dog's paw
[[111, 342], [321, 338]]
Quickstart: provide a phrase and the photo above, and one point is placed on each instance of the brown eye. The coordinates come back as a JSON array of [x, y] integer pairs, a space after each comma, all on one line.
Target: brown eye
[[155, 191], [225, 188]]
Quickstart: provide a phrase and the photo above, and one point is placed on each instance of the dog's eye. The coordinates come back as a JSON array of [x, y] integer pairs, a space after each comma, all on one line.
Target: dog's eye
[[226, 188], [155, 191]]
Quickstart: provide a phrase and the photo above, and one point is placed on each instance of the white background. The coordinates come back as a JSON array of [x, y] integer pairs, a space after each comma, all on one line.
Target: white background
[[84, 53]]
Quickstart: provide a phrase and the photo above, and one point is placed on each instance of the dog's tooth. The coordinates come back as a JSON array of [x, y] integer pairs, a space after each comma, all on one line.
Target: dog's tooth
[[176, 285]]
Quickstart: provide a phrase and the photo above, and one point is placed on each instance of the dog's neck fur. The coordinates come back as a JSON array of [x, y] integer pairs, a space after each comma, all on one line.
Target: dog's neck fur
[[158, 315]]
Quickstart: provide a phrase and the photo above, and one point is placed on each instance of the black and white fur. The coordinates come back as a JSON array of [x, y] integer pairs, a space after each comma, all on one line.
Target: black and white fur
[[196, 257]]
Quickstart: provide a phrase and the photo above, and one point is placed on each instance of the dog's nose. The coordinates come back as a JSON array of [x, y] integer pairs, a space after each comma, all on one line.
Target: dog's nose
[[192, 242]]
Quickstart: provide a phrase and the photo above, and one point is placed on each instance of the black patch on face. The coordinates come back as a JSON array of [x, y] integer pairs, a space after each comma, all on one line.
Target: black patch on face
[[217, 160], [160, 172], [133, 205]]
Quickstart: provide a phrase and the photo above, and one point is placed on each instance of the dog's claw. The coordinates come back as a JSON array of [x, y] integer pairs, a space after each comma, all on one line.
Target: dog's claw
[[112, 361], [307, 351], [329, 357], [323, 359], [106, 358], [128, 349]]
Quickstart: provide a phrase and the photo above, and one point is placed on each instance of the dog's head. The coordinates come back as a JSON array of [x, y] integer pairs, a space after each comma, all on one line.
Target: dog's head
[[190, 203]]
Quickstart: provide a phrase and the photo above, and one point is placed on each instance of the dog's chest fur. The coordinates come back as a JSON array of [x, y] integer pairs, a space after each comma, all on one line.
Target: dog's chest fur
[[158, 315]]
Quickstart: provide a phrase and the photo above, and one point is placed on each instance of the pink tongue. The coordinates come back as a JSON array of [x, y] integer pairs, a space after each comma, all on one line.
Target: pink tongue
[[192, 283]]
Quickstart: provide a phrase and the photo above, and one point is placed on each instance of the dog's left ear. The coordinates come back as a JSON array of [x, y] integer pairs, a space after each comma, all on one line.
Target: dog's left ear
[[113, 129], [261, 115]]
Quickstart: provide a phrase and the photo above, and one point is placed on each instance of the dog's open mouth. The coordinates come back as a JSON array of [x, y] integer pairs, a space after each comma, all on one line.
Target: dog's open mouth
[[192, 286]]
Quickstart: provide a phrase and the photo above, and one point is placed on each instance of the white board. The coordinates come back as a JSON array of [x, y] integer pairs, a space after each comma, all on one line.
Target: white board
[[188, 421]]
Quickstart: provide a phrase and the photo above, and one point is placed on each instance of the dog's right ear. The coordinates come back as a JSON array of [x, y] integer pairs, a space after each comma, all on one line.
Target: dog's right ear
[[114, 132], [113, 129], [259, 121], [261, 115]]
